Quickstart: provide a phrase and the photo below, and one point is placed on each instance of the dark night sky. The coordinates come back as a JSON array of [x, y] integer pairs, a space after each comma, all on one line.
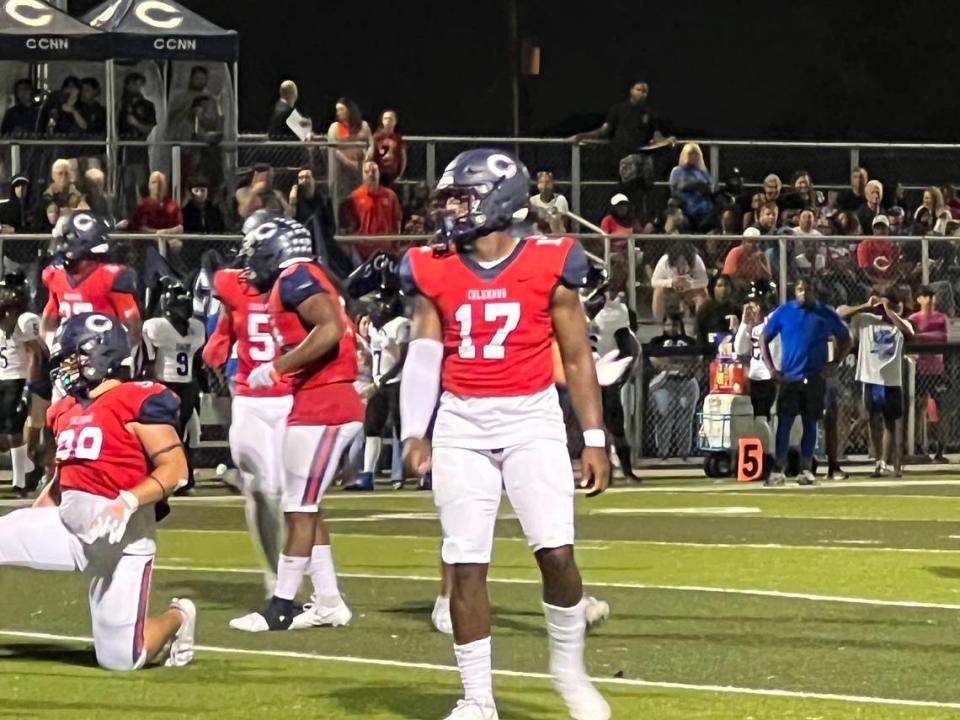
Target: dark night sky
[[815, 70]]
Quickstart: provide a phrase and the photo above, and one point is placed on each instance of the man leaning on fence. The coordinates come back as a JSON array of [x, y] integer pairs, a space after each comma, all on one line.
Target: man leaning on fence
[[804, 327]]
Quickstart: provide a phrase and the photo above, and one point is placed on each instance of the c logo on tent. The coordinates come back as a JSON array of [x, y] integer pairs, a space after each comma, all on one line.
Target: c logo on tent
[[13, 8], [145, 11], [104, 17]]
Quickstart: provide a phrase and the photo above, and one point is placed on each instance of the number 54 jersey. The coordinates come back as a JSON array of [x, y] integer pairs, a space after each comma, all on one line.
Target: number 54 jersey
[[497, 376]]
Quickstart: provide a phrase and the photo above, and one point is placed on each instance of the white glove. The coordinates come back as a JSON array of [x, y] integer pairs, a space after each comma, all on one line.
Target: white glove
[[112, 520], [609, 369], [262, 376]]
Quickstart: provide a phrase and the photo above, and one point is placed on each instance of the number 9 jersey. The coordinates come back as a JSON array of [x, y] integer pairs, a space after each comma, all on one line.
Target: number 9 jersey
[[96, 453], [497, 335]]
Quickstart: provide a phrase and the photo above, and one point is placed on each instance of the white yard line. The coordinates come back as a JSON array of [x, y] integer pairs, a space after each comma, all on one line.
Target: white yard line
[[651, 543], [627, 682], [619, 585]]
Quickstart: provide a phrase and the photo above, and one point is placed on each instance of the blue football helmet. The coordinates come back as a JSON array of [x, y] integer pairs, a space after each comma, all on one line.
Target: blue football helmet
[[176, 302], [272, 246], [258, 218], [82, 236], [87, 349], [483, 191]]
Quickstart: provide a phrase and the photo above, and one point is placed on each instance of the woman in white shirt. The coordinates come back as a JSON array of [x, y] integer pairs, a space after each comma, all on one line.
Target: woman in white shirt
[[679, 276]]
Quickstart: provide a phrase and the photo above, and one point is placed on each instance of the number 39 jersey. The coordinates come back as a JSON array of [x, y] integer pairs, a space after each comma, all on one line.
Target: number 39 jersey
[[251, 328], [96, 453], [171, 352], [497, 371]]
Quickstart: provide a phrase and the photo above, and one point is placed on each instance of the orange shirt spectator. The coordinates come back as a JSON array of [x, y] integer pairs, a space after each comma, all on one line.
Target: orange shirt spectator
[[747, 261], [372, 209]]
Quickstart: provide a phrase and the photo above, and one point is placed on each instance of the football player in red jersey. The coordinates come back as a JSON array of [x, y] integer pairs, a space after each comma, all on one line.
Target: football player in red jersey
[[118, 454], [83, 282], [319, 353], [489, 305], [258, 415]]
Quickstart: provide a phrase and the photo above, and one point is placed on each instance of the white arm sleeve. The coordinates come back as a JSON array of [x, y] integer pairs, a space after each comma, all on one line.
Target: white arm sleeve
[[419, 387]]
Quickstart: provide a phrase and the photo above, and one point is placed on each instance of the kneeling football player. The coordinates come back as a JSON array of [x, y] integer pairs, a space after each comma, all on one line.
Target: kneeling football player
[[118, 455]]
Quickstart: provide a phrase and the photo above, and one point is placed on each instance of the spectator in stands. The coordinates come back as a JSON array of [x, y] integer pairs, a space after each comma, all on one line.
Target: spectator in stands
[[853, 197], [768, 218], [674, 221], [199, 214], [349, 127], [21, 118], [15, 211], [549, 206], [879, 258], [805, 223], [630, 126], [679, 276], [620, 222], [802, 193], [951, 200], [747, 262], [61, 191], [135, 121], [310, 206], [277, 128], [896, 216], [94, 196], [932, 327], [260, 194], [873, 203], [674, 390], [848, 224], [372, 209], [930, 208], [720, 313], [772, 188], [157, 212], [693, 186], [388, 149], [93, 117], [181, 111], [60, 114], [750, 216], [729, 223]]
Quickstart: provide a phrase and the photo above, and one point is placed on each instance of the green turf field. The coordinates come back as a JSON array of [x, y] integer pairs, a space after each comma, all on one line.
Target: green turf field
[[827, 603]]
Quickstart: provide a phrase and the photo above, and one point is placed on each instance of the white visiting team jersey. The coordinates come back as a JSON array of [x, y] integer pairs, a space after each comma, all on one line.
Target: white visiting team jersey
[[13, 353], [604, 326], [172, 351], [880, 352], [747, 344], [385, 345]]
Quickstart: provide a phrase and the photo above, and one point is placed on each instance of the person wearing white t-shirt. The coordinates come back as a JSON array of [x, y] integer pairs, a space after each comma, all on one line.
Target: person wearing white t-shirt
[[679, 276], [881, 332], [20, 357], [171, 343], [549, 206]]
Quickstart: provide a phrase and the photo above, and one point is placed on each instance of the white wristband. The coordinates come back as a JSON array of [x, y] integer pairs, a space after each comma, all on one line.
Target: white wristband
[[130, 499], [595, 438]]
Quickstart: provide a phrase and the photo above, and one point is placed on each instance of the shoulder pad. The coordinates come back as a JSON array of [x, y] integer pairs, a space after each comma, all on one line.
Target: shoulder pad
[[298, 285], [160, 407]]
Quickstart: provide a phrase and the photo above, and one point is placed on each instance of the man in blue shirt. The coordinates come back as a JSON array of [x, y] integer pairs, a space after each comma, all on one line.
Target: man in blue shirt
[[805, 327]]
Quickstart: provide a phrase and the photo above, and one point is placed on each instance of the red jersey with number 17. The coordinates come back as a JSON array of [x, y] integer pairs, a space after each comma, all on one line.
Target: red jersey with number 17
[[497, 328], [248, 324], [323, 392], [96, 453], [106, 288]]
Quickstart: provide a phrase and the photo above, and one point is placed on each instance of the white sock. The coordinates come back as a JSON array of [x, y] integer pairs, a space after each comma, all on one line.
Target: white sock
[[290, 573], [18, 461], [371, 454], [324, 575], [476, 671], [566, 628]]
